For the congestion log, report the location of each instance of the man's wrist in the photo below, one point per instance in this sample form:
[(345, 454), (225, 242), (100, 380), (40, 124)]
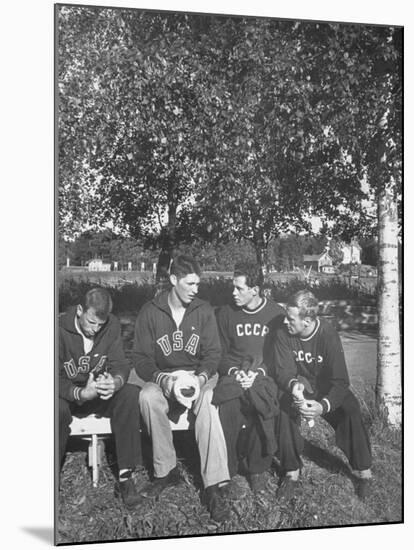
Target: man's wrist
[(82, 396), (161, 378), (203, 376), (118, 382), (77, 394), (325, 404)]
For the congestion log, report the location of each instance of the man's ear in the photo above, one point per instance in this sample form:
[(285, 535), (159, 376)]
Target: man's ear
[(256, 290), (79, 310), (173, 280)]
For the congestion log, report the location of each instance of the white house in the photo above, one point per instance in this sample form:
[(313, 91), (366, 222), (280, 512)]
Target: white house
[(320, 262), (97, 265), (351, 253)]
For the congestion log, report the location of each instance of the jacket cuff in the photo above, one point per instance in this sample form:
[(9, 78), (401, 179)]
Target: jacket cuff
[(326, 406), (203, 375), (159, 377), (291, 382), (77, 394), (232, 370), (121, 381), (262, 371)]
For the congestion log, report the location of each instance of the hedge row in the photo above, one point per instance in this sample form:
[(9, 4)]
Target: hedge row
[(131, 297)]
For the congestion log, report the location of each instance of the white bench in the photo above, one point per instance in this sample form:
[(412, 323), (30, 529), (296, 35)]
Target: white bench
[(94, 428)]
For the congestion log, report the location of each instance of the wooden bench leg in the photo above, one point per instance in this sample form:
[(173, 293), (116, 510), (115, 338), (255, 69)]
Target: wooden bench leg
[(94, 459)]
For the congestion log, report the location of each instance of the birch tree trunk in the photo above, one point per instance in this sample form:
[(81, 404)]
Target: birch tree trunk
[(388, 388)]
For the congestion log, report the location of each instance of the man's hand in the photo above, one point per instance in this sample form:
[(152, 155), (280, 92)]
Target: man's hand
[(310, 409), (105, 385), (249, 379), (246, 379), (297, 393), (89, 392), (167, 385)]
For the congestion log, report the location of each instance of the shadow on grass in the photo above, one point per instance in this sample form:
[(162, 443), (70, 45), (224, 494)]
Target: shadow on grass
[(324, 459), (187, 452)]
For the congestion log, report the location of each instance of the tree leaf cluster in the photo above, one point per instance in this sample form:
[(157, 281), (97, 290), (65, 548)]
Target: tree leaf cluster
[(183, 127)]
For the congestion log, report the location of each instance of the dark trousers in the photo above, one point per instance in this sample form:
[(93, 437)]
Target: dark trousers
[(350, 433), (247, 443), (123, 410)]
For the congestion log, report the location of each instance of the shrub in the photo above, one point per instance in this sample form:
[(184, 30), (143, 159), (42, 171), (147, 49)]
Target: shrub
[(130, 297), (127, 298)]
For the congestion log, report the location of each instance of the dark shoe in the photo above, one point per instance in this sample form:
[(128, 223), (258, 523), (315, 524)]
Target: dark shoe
[(258, 483), (128, 493), (232, 490), (287, 488), (154, 489), (216, 505), (363, 488)]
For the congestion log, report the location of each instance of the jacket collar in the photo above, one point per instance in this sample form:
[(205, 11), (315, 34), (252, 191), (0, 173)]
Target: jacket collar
[(67, 320), (161, 301)]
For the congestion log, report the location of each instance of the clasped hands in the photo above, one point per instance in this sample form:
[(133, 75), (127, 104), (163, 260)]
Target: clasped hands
[(307, 408), (103, 387), (245, 379)]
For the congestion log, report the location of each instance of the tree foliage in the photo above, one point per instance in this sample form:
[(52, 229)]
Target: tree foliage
[(177, 127)]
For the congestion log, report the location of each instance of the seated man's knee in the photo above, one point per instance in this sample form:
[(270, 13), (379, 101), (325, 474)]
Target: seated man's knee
[(151, 394), (205, 397), (350, 405), (130, 392)]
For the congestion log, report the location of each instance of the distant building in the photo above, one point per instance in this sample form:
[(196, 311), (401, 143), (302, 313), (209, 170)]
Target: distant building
[(97, 265), (351, 253), (321, 263)]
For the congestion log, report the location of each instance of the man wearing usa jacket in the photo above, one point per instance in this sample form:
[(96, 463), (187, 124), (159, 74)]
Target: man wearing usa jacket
[(311, 371), (93, 373), (176, 339)]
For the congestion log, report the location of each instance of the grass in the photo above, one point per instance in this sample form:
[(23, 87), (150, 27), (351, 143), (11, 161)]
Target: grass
[(326, 496)]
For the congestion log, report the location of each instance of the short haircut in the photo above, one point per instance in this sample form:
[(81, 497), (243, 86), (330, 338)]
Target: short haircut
[(252, 272), (306, 302), (100, 300), (184, 265)]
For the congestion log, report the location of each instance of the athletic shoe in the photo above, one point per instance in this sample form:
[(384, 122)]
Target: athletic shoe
[(287, 488), (363, 487), (154, 489), (128, 493), (216, 505), (258, 483)]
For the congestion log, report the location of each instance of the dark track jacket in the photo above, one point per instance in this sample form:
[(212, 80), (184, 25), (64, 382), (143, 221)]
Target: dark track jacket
[(319, 359), (160, 346), (75, 365)]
